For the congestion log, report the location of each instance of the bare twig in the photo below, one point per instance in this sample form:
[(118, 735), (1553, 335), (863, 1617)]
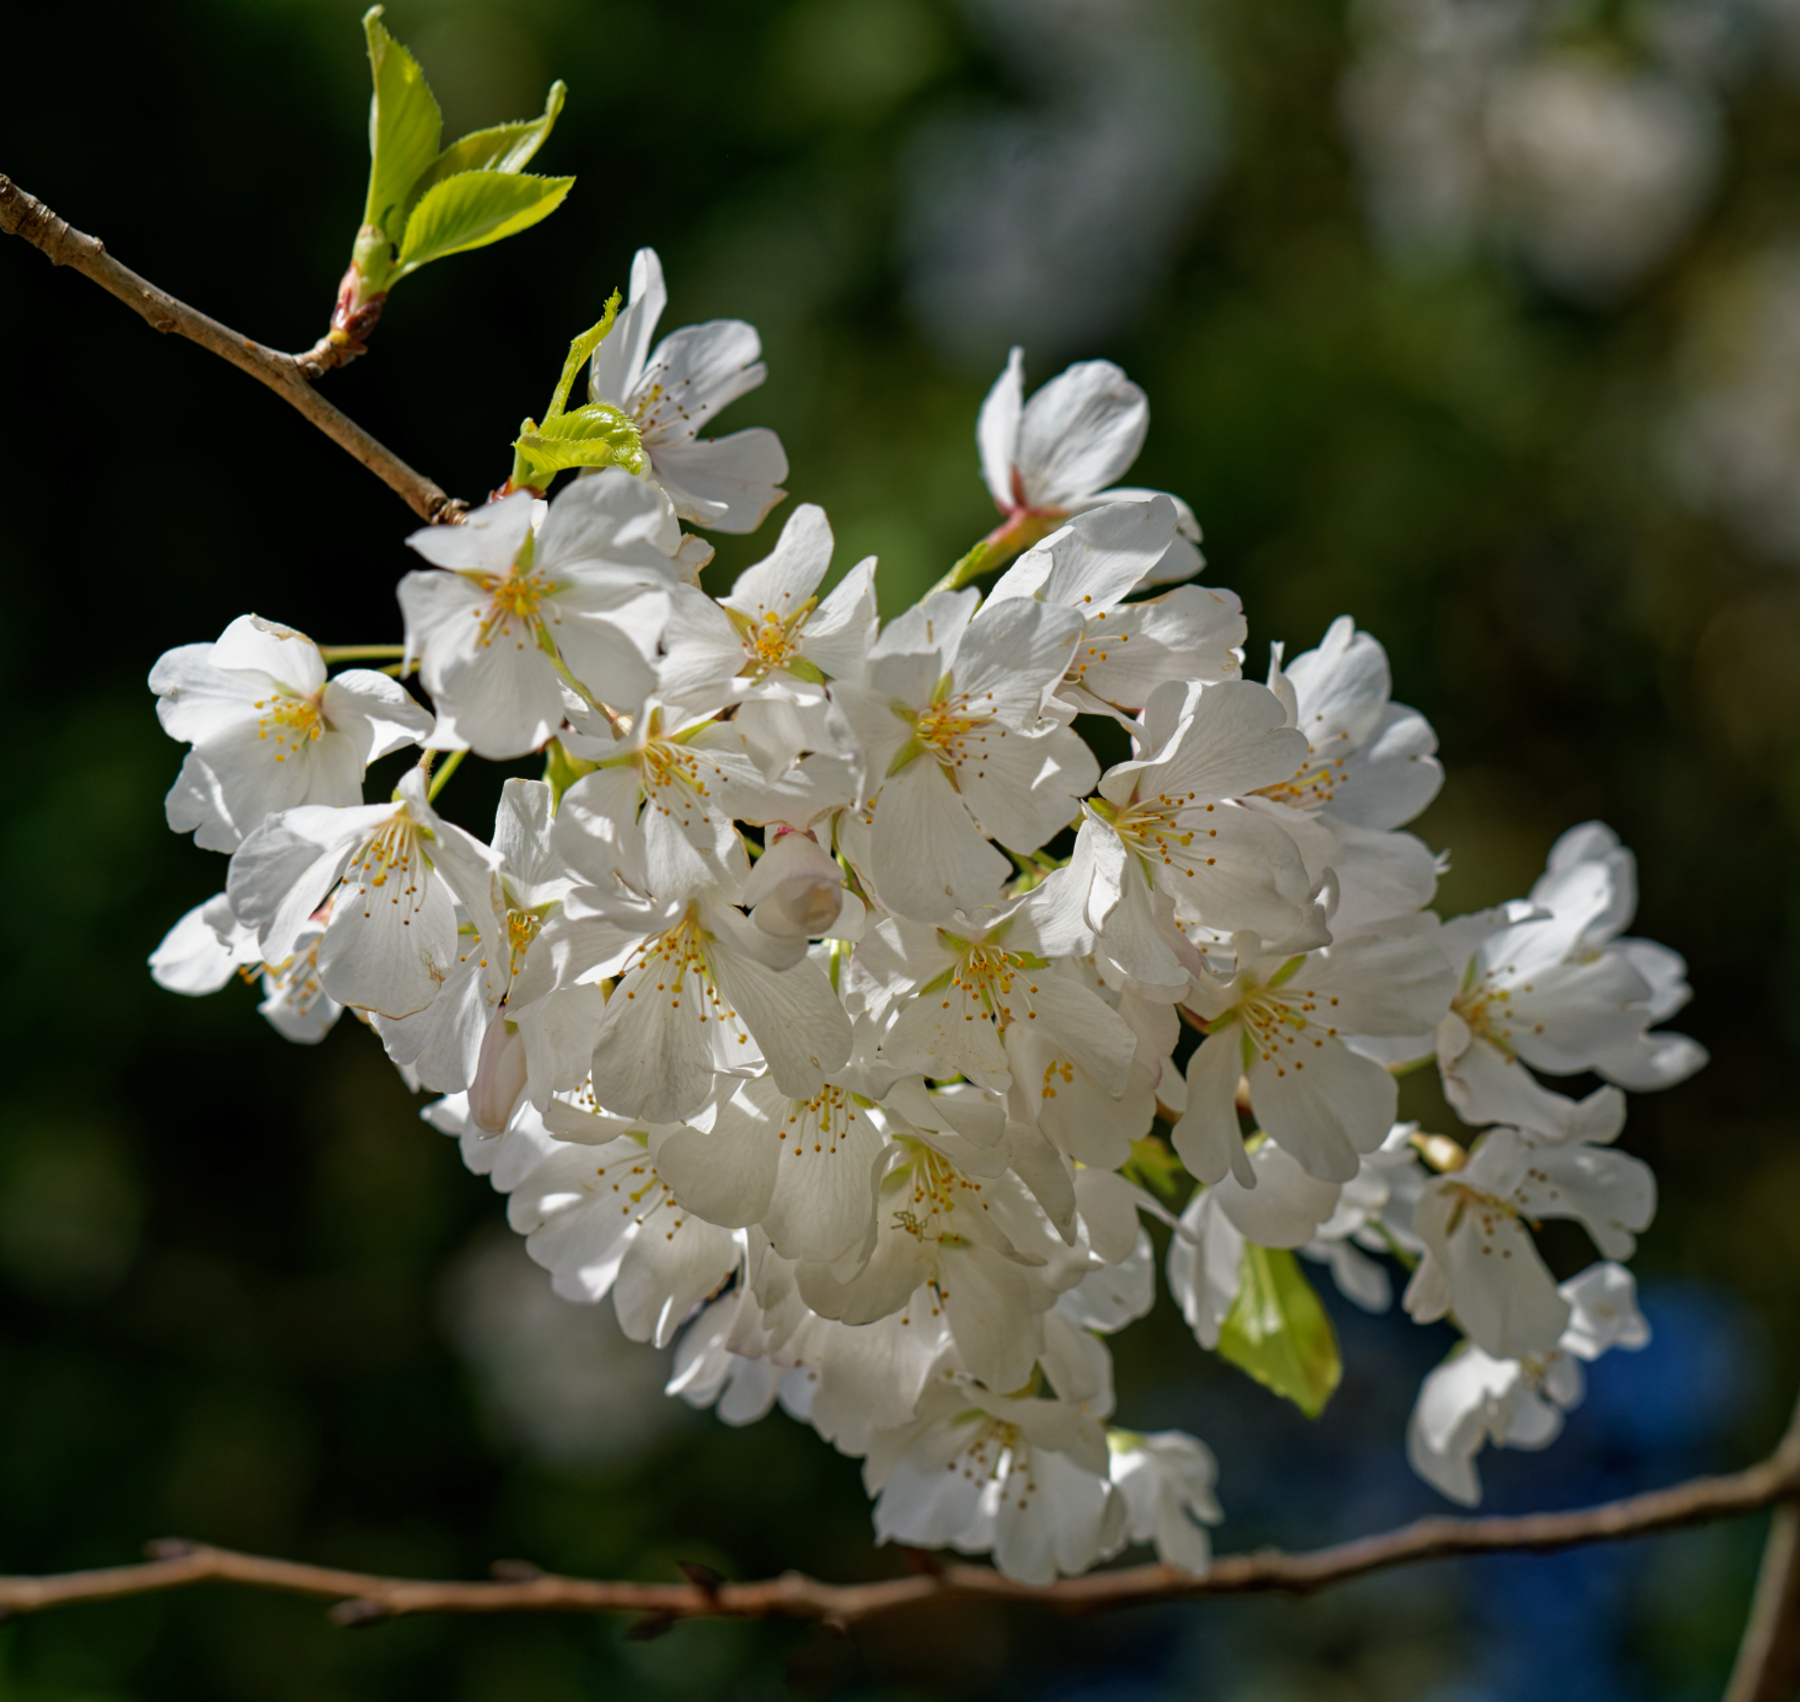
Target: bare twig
[(289, 377), (1768, 1660), (362, 1597)]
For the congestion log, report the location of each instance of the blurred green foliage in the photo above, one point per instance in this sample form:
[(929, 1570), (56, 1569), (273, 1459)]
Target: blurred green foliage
[(229, 1267)]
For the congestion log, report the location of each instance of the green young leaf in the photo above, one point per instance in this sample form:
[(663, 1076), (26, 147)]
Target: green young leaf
[(1279, 1332), (504, 147), (473, 210), (581, 350), (405, 127), (595, 436)]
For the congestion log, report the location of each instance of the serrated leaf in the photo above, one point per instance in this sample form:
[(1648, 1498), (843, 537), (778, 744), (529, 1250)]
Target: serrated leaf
[(474, 209), (503, 147), (594, 436), (405, 127), (1280, 1333), (580, 352)]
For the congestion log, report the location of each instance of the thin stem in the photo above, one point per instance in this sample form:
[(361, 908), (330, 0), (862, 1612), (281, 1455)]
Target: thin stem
[(1017, 532), (1768, 1659), (357, 652), (442, 778), (362, 1597), (290, 378)]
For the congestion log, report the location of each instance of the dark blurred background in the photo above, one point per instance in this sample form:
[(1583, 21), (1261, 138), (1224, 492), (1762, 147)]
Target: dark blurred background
[(1479, 319)]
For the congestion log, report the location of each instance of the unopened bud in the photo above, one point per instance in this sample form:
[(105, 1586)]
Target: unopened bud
[(499, 1076), (795, 891)]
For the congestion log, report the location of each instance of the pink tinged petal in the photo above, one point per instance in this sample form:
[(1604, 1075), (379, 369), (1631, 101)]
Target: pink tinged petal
[(619, 360), (929, 859), (1209, 1139), (997, 432), (1079, 433), (726, 483), (1324, 1104), (500, 1075)]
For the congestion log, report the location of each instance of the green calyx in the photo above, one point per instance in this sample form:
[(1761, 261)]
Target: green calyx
[(580, 439)]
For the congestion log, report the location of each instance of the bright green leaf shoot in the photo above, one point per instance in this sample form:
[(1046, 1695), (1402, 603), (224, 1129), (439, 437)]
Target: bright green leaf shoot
[(405, 127), (474, 209), (505, 147), (1280, 1333), (581, 351), (595, 436)]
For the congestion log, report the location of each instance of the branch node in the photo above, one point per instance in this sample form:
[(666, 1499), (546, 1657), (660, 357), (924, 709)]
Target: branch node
[(171, 1548), (516, 1571), (360, 1611), (702, 1577)]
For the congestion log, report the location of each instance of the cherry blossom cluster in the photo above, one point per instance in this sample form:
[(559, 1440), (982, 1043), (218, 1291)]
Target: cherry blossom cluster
[(849, 995)]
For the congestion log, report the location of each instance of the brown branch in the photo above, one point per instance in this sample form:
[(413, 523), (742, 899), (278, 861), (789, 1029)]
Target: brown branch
[(1768, 1660), (363, 1597), (290, 377)]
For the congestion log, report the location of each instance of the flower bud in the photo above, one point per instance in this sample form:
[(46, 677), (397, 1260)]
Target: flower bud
[(796, 890), (499, 1075)]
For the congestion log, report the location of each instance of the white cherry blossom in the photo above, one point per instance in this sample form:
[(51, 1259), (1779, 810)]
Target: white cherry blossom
[(671, 391), (523, 586), (397, 871), (1474, 1398), (1127, 650), (1059, 453), (269, 730), (951, 715), (1283, 1024)]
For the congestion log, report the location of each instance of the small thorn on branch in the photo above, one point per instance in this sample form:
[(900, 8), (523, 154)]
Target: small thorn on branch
[(516, 1571), (702, 1577)]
